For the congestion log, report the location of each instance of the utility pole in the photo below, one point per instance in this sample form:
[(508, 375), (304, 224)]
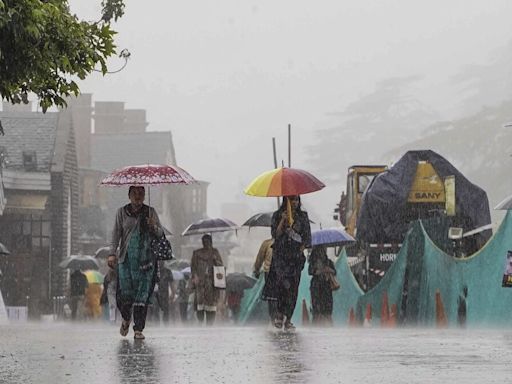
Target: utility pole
[(289, 145), (275, 163)]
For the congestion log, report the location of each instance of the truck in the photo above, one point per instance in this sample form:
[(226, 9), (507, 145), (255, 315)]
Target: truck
[(381, 202)]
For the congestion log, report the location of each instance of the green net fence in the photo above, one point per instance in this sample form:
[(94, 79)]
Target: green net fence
[(420, 272)]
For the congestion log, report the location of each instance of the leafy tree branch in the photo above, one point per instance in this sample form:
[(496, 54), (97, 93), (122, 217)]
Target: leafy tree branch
[(43, 47)]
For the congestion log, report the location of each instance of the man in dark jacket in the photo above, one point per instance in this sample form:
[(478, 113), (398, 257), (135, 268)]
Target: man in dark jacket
[(78, 282)]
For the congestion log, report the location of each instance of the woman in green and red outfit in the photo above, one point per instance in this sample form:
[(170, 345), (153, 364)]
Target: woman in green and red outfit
[(135, 226)]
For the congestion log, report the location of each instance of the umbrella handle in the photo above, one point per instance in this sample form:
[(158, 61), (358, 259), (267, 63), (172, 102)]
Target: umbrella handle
[(289, 212)]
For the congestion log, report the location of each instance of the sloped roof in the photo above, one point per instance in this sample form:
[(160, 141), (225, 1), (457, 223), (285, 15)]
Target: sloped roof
[(29, 131)]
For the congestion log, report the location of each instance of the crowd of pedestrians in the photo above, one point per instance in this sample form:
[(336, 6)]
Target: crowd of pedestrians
[(138, 287)]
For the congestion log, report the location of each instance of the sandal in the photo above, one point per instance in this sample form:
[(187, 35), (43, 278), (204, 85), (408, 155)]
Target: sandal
[(139, 335), (125, 327), (278, 323), (289, 326)]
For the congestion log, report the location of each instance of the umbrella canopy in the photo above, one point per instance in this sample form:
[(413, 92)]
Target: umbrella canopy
[(94, 277), (284, 182), (102, 253), (259, 220), (82, 262), (209, 226), (239, 281), (506, 204), (331, 237), (149, 174), (176, 265), (4, 250), (262, 220)]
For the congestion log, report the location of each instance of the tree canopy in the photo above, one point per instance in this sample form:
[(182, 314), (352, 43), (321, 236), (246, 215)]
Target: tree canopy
[(44, 47)]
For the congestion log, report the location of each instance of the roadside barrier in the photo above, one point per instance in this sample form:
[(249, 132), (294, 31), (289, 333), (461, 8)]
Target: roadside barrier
[(384, 311), (368, 316), (393, 316), (441, 320), (352, 318)]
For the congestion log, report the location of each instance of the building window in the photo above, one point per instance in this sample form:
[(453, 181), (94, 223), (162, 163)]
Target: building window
[(29, 160)]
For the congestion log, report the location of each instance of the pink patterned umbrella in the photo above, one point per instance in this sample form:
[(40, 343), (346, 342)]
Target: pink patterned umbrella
[(150, 174)]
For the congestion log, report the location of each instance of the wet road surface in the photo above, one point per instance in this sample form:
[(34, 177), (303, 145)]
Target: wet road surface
[(95, 353)]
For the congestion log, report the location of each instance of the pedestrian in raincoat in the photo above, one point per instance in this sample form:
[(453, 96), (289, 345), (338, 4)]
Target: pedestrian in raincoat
[(201, 268), (135, 226), (92, 301), (78, 283), (291, 233), (320, 267)]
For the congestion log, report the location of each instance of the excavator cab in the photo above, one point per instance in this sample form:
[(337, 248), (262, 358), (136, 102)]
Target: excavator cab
[(358, 179)]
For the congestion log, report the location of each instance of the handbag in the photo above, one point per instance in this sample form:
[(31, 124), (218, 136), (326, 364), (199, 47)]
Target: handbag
[(219, 277), (333, 282), (161, 248)]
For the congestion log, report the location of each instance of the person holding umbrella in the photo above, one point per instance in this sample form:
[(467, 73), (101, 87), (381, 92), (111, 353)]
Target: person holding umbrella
[(321, 269), (292, 234), (78, 285), (130, 254)]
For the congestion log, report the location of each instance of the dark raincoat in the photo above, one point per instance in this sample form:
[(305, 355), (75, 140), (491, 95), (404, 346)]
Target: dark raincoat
[(321, 292), (287, 262)]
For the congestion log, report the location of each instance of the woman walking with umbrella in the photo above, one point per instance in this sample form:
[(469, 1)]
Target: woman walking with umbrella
[(322, 271), (136, 269), (291, 233)]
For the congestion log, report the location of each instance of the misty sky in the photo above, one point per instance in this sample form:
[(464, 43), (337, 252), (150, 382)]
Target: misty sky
[(227, 76)]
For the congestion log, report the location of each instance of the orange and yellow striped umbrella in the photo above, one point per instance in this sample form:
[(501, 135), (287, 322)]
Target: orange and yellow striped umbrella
[(284, 182)]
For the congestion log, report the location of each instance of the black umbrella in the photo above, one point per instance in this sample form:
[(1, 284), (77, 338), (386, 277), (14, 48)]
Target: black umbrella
[(259, 220), (237, 282), (263, 219), (82, 262), (210, 226), (4, 250)]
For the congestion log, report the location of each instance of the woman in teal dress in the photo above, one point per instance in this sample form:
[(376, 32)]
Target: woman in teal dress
[(135, 226)]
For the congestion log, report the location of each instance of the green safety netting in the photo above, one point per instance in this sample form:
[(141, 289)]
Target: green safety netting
[(420, 270), (347, 296)]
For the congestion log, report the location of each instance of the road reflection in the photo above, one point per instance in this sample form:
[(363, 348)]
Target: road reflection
[(137, 362), (288, 355)]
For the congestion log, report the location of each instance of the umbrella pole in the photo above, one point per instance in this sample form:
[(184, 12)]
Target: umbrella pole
[(149, 199)]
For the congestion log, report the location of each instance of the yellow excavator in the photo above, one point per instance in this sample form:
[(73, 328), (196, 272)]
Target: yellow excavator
[(381, 202), (358, 179)]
